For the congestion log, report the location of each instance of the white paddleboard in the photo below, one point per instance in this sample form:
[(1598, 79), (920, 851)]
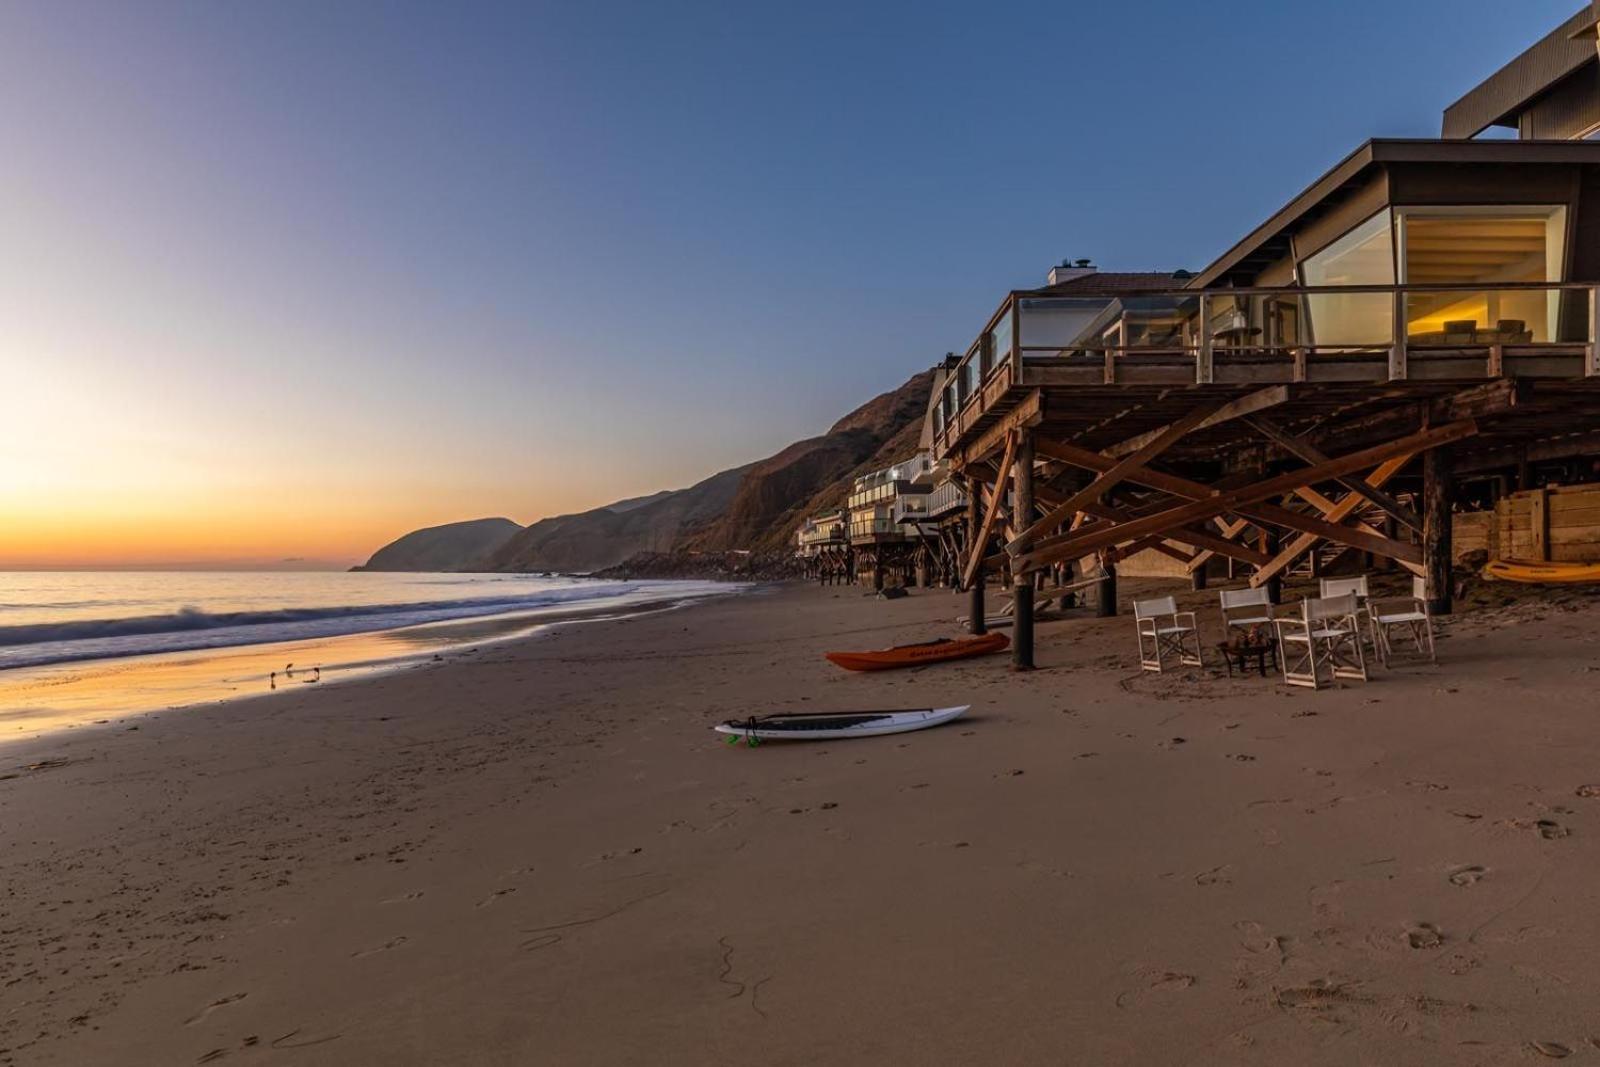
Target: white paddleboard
[(835, 724)]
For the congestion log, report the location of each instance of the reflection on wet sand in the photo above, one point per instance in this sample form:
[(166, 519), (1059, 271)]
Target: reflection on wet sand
[(34, 700)]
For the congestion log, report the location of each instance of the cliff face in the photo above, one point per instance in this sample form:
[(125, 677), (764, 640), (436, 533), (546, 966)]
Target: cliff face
[(750, 509), (604, 537), (777, 493), (456, 546)]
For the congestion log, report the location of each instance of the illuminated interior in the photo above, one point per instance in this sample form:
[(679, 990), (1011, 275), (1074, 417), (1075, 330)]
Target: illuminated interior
[(1488, 245), (1484, 245)]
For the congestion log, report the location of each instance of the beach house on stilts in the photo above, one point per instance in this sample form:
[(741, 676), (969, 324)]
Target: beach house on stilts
[(1422, 315)]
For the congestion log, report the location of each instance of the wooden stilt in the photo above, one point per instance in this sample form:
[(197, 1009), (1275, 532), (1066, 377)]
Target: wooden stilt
[(1438, 485), (1274, 584), (1107, 606), (974, 575), (1022, 586)]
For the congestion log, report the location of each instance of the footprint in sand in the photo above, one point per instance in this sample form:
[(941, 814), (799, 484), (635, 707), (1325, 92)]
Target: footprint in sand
[(496, 895), (1155, 982), (403, 898), (392, 943), (1552, 1049), (1222, 875), (534, 944), (294, 1039), (213, 1006), (1253, 938), (1423, 936), (1588, 792), (1465, 876), (1551, 830)]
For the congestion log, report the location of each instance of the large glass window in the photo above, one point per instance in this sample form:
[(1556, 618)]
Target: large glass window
[(1481, 246), (1364, 256)]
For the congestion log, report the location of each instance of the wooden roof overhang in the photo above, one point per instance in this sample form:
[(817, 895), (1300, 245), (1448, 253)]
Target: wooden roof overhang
[(1270, 241)]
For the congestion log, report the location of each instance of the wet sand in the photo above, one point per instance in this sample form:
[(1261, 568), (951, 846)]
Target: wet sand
[(35, 701), (539, 853)]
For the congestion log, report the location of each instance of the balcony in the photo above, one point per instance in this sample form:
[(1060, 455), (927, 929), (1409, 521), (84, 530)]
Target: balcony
[(947, 498), (1347, 334)]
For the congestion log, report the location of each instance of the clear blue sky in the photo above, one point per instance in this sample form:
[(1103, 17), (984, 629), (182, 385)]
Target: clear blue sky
[(396, 264)]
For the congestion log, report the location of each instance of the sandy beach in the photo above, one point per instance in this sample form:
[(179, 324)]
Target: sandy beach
[(539, 853)]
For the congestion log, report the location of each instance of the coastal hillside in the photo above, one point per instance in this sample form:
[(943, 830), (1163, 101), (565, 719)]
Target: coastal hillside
[(455, 546), (809, 476), (751, 509), (605, 537)]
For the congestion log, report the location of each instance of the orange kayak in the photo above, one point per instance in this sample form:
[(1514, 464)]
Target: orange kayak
[(945, 648)]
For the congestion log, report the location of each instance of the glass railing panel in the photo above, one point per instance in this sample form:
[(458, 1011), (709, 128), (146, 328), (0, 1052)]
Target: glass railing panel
[(1046, 323), (1349, 320), (1167, 321), (1000, 341)]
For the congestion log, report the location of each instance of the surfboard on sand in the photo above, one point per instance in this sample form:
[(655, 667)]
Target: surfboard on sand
[(828, 725), (945, 648)]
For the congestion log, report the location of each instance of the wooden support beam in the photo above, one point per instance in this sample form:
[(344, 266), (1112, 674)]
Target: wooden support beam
[(1324, 505), (1189, 535), (1311, 454), (1220, 503), (1319, 528), (1257, 513), (981, 540), (1244, 406), (1230, 530), (1029, 411), (1153, 543), (1335, 514), (1150, 449)]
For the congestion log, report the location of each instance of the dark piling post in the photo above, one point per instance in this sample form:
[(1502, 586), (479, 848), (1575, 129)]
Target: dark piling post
[(1022, 583), (1107, 607), (975, 610), (1269, 545), (1438, 490)]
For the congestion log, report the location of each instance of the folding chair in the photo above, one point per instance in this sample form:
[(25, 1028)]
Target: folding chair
[(1163, 631), (1404, 615), (1244, 609), (1326, 634), (1332, 587)]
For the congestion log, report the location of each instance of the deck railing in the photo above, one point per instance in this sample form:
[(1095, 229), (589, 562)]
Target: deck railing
[(1297, 325)]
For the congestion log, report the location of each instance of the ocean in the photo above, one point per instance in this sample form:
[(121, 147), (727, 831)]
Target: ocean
[(66, 616)]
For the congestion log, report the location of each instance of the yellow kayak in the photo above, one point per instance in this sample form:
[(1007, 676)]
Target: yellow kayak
[(1510, 570)]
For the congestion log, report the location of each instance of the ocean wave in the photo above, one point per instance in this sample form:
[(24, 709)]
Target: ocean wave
[(188, 619)]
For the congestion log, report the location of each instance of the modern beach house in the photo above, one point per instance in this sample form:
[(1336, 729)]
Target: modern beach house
[(1423, 314), (887, 512)]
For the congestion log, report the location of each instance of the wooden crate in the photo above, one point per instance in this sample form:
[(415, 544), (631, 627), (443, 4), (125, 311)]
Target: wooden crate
[(1558, 522)]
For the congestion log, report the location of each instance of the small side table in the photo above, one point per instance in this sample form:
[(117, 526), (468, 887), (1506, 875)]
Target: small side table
[(1241, 652)]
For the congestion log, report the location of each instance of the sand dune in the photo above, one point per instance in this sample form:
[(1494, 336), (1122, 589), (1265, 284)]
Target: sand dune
[(540, 854)]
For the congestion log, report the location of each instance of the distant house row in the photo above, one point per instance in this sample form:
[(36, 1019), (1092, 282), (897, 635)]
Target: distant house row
[(897, 525)]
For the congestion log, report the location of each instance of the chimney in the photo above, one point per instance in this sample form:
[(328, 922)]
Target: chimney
[(1070, 270)]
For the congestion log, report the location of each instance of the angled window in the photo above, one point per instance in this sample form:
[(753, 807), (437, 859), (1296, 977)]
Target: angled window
[(1482, 246), (1364, 256)]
